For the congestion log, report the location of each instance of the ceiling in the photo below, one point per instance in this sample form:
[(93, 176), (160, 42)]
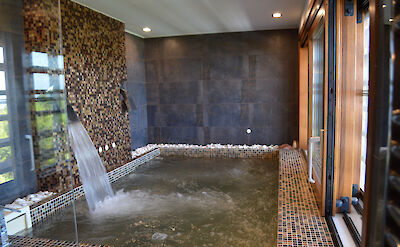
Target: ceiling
[(185, 17)]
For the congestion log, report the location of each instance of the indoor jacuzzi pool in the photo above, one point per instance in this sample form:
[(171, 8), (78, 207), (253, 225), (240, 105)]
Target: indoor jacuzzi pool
[(180, 201)]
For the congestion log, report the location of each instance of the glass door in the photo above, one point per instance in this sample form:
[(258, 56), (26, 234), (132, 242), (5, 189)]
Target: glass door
[(316, 112), (34, 146), (17, 167), (317, 99)]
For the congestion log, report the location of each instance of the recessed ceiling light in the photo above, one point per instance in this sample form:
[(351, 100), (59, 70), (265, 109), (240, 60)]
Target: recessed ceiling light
[(277, 15), (146, 29), (383, 5)]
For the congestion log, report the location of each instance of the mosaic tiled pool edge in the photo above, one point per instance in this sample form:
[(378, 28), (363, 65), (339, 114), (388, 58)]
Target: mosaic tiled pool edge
[(299, 221), (17, 241), (42, 211)]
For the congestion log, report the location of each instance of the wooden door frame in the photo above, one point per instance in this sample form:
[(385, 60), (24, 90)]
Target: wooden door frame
[(320, 17)]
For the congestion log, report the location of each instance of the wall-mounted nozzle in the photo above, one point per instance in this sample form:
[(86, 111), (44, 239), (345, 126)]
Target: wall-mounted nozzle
[(72, 117)]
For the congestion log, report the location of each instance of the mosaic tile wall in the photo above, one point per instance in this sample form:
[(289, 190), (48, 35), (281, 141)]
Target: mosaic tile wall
[(299, 220), (95, 67)]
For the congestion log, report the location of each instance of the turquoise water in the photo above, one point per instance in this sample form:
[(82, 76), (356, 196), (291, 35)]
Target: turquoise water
[(181, 202)]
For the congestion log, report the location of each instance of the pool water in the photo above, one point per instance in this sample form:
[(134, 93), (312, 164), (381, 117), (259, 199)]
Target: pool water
[(181, 202)]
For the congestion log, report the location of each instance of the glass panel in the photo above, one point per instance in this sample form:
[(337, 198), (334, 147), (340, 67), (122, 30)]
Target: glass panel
[(44, 81), (5, 153), (318, 82), (2, 80), (41, 81), (1, 54), (6, 177), (317, 121), (44, 123), (47, 163), (365, 102), (40, 59), (33, 109), (3, 105), (46, 144), (4, 131)]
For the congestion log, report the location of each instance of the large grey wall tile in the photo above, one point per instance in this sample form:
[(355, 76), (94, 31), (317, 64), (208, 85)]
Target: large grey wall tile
[(226, 67), (188, 135), (227, 135), (137, 94), (180, 70), (136, 87), (225, 44), (222, 91), (182, 47), (222, 114), (188, 92), (153, 71), (178, 115), (211, 88)]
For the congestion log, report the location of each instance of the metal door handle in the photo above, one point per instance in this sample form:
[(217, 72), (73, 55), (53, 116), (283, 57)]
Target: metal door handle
[(29, 138)]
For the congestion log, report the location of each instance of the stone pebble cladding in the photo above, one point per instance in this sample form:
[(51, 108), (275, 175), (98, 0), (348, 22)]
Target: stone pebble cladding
[(299, 220)]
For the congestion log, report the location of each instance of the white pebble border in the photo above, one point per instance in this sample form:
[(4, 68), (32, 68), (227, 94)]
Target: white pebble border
[(140, 151), (29, 200)]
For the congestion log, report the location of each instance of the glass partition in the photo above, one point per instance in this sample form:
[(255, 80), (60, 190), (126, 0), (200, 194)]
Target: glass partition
[(365, 101), (34, 150), (317, 99)]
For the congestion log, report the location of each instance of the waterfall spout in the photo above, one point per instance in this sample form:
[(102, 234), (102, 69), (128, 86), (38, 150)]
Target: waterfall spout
[(94, 178)]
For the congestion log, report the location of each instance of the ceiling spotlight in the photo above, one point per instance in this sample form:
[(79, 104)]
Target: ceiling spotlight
[(146, 29), (391, 19), (384, 5), (277, 15)]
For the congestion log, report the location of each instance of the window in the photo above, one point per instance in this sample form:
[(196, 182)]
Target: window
[(317, 120), (6, 168), (365, 101)]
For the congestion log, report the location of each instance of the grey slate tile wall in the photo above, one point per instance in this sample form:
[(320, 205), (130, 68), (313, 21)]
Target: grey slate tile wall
[(210, 88), (136, 87)]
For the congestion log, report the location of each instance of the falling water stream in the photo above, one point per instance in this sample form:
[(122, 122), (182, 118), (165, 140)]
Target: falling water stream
[(94, 178)]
